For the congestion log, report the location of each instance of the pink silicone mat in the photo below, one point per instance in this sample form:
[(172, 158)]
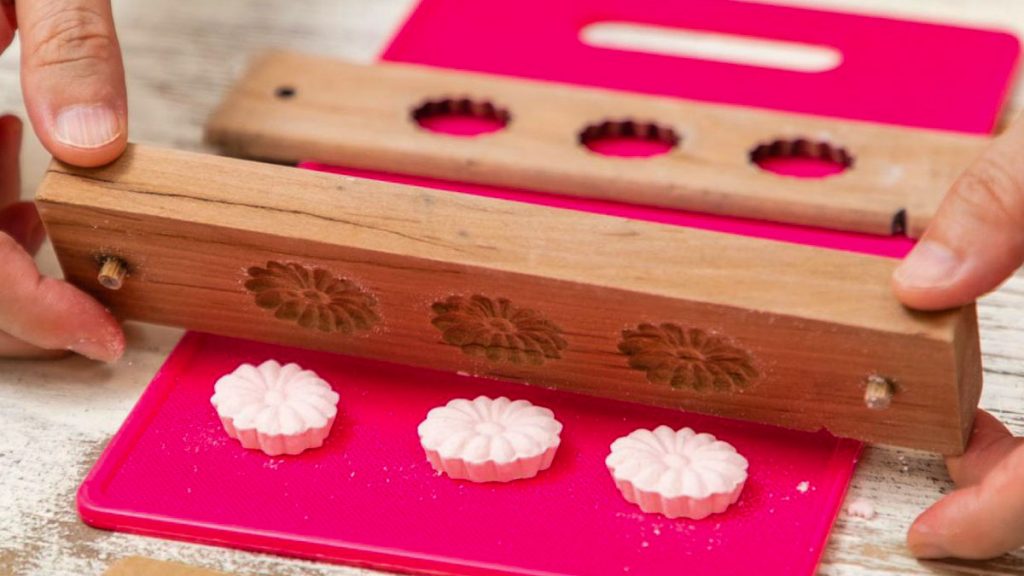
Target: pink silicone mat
[(369, 497)]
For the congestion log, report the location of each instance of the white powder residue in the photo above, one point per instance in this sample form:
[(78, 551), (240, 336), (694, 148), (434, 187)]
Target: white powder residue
[(803, 487), (861, 508)]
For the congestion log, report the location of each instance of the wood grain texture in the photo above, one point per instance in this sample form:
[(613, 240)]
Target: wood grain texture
[(663, 315), (139, 566), (181, 55), (363, 117)]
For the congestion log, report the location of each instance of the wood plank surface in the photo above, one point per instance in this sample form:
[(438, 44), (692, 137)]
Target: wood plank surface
[(182, 56), (362, 117)]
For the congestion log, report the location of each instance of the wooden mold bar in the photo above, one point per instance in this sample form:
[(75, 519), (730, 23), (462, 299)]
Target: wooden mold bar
[(291, 107), (637, 311)]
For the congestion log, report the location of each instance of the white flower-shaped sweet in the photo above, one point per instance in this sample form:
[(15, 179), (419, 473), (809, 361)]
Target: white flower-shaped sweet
[(490, 440), (278, 409), (677, 473)]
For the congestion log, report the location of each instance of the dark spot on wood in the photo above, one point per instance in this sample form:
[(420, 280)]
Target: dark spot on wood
[(899, 222)]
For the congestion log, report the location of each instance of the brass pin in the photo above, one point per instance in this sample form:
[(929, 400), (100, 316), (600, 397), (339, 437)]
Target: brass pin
[(112, 273), (878, 392)]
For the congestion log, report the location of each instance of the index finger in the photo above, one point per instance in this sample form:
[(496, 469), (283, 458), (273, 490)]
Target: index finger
[(52, 314)]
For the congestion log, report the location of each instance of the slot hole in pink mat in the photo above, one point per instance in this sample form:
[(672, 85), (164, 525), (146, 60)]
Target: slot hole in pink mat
[(629, 138), (711, 46), (461, 116), (801, 158)]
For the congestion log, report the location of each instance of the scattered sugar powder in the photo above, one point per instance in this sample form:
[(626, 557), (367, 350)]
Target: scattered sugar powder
[(861, 508)]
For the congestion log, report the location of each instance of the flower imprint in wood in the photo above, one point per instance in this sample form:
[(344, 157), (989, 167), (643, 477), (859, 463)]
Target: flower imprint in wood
[(687, 358), (312, 298), (498, 330)]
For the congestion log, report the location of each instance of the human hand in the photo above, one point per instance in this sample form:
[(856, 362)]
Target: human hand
[(73, 83), (984, 516), (975, 242), (976, 239)]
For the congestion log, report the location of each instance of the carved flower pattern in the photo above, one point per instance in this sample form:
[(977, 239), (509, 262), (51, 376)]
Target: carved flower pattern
[(498, 330), (687, 358), (312, 298)]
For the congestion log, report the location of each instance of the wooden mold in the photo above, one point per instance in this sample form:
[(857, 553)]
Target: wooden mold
[(765, 331), (291, 107)]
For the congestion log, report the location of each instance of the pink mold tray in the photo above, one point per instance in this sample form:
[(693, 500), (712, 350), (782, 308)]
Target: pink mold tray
[(369, 496)]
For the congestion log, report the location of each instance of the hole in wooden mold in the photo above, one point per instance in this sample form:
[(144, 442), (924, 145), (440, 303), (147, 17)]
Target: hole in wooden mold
[(629, 138), (801, 158), (899, 222), (461, 116), (285, 92)]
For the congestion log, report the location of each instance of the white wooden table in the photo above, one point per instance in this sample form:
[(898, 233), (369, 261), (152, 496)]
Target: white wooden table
[(55, 417)]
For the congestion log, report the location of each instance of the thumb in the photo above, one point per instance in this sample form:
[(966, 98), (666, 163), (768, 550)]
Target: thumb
[(976, 239), (73, 79)]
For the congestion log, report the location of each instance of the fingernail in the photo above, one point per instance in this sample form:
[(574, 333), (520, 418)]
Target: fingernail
[(87, 126), (930, 264)]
